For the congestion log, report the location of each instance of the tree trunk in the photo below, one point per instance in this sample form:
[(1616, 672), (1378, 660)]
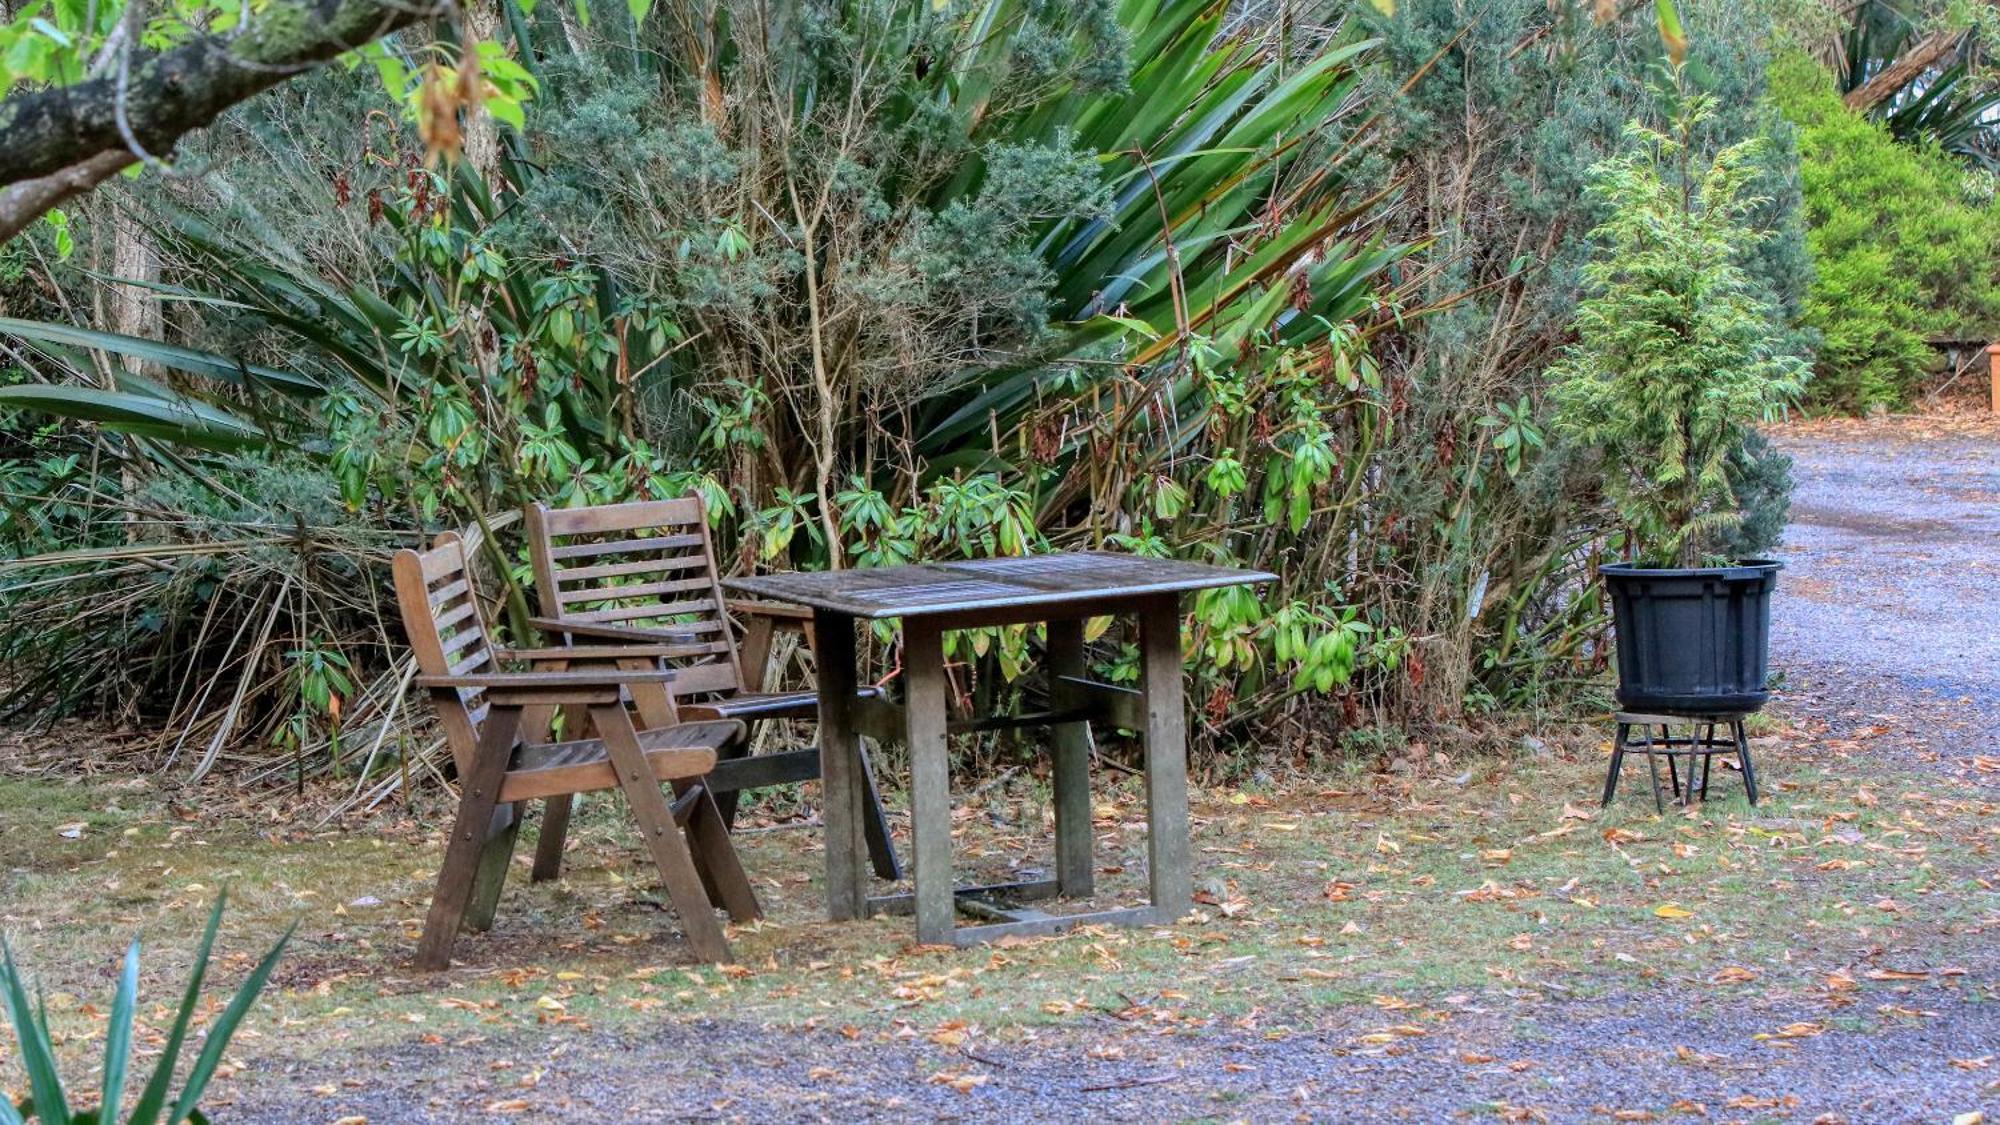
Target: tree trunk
[(135, 310), (482, 133)]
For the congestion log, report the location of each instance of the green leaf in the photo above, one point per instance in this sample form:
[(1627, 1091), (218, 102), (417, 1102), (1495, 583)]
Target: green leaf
[(118, 1035), (1671, 31), (225, 1026), (32, 1034), (171, 356), (178, 419), (154, 1098), (507, 111)]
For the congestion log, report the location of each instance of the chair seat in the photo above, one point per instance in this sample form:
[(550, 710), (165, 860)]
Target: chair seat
[(546, 769)]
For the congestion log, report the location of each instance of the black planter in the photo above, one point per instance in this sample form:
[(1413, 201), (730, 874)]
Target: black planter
[(1692, 640)]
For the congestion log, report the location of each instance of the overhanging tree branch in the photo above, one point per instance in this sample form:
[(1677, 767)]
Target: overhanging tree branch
[(1904, 69), (58, 141)]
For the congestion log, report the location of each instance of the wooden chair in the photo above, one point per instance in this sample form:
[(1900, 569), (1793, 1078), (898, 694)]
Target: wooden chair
[(645, 572), (496, 723)]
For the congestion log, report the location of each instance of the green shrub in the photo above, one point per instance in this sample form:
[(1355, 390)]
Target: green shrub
[(1904, 247)]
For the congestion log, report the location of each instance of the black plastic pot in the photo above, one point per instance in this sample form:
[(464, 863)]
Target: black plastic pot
[(1692, 640)]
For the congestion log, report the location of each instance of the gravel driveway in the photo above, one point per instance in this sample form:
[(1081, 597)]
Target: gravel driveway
[(1890, 600)]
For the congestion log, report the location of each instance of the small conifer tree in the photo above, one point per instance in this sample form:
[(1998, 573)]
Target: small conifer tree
[(1677, 354)]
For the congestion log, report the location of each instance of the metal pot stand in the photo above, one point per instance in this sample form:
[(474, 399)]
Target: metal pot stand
[(1699, 746)]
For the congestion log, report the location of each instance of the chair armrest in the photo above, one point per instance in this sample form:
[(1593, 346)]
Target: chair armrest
[(626, 633), (783, 611), (554, 681), (585, 652)]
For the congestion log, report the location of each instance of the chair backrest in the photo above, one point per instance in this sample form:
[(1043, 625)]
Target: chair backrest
[(447, 631), (647, 564)]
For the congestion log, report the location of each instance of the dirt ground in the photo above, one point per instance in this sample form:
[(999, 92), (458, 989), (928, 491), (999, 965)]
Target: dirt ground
[(1476, 940)]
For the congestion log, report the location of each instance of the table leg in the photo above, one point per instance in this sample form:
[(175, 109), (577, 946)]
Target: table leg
[(1074, 869), (840, 770), (930, 777), (1167, 847), (754, 652)]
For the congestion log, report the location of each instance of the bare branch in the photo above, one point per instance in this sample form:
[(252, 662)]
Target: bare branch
[(1920, 57), (23, 202)]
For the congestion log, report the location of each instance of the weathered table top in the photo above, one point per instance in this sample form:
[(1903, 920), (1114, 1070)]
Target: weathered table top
[(1030, 580)]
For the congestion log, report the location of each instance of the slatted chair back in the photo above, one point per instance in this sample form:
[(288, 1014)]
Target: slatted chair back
[(644, 565), (447, 631)]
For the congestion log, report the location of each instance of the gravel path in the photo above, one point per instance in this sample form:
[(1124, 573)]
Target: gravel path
[(1660, 1057), (1889, 605)]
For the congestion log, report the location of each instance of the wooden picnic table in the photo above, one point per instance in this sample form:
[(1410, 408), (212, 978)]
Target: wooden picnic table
[(1061, 590)]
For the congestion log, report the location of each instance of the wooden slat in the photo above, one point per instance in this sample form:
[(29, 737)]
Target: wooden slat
[(1168, 853), (664, 542), (637, 590), (450, 590), (1056, 923), (625, 546), (597, 519), (703, 606), (1070, 776), (1033, 891), (843, 797), (930, 778), (590, 776), (445, 620), (477, 660), (1121, 706), (763, 770), (448, 557), (703, 678), (620, 570), (458, 642)]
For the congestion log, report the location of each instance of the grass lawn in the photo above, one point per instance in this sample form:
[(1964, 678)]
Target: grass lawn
[(1857, 894)]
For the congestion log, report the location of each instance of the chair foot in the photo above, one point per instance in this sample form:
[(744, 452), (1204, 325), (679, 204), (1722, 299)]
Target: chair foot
[(555, 832)]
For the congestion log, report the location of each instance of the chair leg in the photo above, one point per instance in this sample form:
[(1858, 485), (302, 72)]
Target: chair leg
[(555, 832), (491, 878), (875, 826), (470, 831), (663, 837), (682, 787), (722, 871), (1617, 763)]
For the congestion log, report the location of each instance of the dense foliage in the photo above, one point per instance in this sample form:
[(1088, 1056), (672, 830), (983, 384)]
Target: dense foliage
[(1508, 109), (882, 280), (1904, 240)]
